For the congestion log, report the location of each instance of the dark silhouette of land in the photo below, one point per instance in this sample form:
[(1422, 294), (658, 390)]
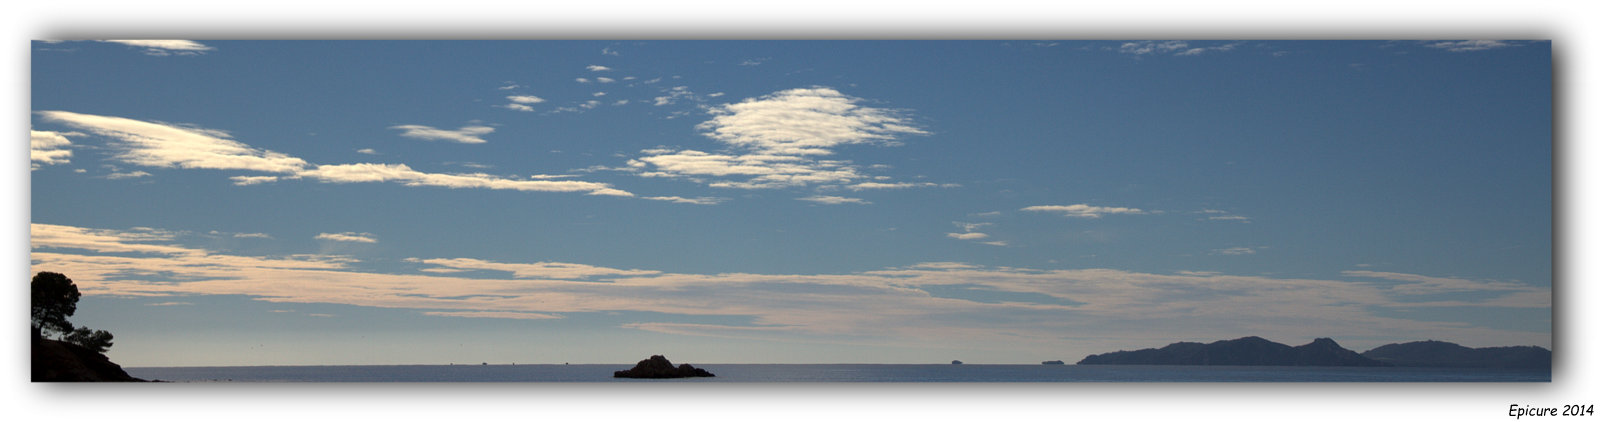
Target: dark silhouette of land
[(1247, 351), (1442, 354), (60, 361), (658, 366), (78, 355), (1256, 351)]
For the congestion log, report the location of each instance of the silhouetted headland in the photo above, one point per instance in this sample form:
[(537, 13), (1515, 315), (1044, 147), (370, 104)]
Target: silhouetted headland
[(1442, 354), (1053, 362), (659, 367), (59, 361), (1247, 351)]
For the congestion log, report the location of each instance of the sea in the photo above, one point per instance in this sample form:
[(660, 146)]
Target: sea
[(831, 373)]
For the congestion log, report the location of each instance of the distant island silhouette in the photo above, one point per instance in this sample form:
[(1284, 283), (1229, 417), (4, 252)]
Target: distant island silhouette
[(658, 366), (1443, 354), (1257, 351)]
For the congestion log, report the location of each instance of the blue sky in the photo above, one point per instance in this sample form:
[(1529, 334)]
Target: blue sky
[(262, 202)]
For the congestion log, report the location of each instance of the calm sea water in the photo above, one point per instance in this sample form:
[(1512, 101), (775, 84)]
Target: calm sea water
[(836, 373)]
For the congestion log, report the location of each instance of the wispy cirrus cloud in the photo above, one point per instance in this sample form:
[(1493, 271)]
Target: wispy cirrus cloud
[(465, 134), (1238, 250), (49, 148), (537, 270), (166, 47), (348, 237), (165, 145), (833, 200), (1468, 45), (1176, 48), (1084, 210), (1220, 215), (405, 175), (702, 200), (1420, 284)]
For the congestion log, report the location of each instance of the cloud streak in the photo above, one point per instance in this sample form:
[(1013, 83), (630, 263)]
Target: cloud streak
[(166, 47), (890, 304), (464, 135), (1084, 210), (163, 145), (48, 148), (348, 237)]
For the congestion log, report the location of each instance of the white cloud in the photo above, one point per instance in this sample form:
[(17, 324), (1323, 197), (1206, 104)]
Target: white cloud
[(524, 99), (604, 80), (1152, 47), (518, 107), (896, 185), (967, 235), (805, 121), (582, 80), (252, 180), (348, 237), (165, 47), (1468, 45), (252, 235), (1234, 251), (49, 148), (367, 151), (465, 135), (162, 145), (537, 270), (609, 52), (967, 227), (777, 141), (833, 200), (127, 175), (598, 68), (1176, 48), (704, 200), (401, 173), (1220, 215), (598, 94), (673, 95), (1084, 210)]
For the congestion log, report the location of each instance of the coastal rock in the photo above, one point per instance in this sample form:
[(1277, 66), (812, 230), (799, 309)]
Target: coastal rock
[(1442, 354), (659, 367), (1247, 351), (59, 361), (1053, 362)]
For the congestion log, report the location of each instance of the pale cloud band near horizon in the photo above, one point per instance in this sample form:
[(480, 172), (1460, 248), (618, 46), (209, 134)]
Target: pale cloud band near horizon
[(890, 303)]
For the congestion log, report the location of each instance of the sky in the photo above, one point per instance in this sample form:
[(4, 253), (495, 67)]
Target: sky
[(410, 202)]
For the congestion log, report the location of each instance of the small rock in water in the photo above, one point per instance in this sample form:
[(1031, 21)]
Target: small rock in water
[(659, 367)]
